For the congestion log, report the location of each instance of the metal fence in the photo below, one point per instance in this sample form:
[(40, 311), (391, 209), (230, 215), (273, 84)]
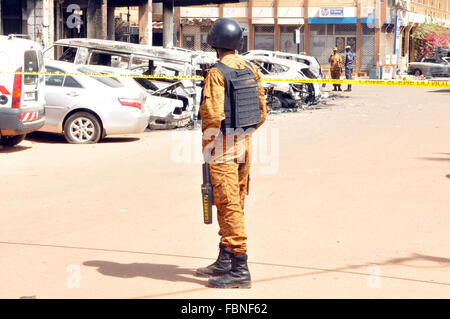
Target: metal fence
[(264, 37), (367, 47), (287, 39), (322, 39), (194, 37)]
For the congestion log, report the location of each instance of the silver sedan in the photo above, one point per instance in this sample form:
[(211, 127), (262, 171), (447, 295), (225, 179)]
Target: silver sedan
[(86, 108)]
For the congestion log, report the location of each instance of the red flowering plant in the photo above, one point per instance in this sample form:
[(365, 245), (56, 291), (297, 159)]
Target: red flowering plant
[(428, 37)]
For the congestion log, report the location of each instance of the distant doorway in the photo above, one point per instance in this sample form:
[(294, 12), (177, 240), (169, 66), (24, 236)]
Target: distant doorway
[(11, 17)]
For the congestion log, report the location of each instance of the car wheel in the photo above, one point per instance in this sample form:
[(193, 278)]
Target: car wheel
[(82, 128), (417, 72), (11, 140)]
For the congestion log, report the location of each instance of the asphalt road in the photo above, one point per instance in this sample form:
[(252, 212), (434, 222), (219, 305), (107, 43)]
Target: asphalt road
[(351, 200)]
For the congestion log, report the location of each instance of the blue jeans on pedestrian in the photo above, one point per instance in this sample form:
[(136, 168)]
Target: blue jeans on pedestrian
[(348, 73)]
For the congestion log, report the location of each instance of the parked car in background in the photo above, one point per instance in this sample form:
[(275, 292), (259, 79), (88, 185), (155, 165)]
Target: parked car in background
[(435, 66), (142, 59), (21, 96), (169, 106), (310, 61), (85, 109)]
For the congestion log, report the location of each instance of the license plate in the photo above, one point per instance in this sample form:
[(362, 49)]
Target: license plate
[(29, 96)]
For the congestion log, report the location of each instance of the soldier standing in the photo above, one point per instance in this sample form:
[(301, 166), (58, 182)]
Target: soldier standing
[(335, 61), (229, 114)]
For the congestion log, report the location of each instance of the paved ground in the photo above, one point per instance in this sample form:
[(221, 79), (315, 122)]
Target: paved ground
[(351, 201)]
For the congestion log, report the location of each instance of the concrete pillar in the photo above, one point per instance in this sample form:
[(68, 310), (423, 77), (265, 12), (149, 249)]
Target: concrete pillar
[(179, 31), (407, 40), (276, 5), (111, 23), (48, 22), (378, 60), (145, 23), (358, 38), (32, 18), (97, 19), (167, 24), (25, 29), (58, 28), (305, 18), (1, 21), (250, 25), (412, 54)]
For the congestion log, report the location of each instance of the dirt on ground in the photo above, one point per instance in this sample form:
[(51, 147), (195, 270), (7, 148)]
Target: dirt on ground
[(350, 200)]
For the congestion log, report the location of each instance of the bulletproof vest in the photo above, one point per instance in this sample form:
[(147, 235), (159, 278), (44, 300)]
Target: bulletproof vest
[(242, 109)]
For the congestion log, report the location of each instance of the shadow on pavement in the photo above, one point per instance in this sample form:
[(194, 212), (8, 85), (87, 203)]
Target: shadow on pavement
[(154, 271), (13, 149), (440, 91), (437, 158), (54, 138), (174, 273), (44, 137), (119, 140)]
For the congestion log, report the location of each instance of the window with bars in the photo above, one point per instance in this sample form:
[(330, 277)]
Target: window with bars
[(264, 38), (287, 39)]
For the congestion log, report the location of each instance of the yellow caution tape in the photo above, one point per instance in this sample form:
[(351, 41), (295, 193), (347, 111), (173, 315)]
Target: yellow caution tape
[(427, 83), (444, 84)]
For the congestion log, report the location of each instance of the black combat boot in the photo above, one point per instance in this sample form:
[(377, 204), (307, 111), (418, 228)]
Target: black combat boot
[(334, 87), (221, 266), (237, 277), (339, 88), (349, 88)]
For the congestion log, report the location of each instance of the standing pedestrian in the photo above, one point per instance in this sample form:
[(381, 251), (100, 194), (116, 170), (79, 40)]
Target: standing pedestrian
[(349, 61), (335, 61), (229, 114)]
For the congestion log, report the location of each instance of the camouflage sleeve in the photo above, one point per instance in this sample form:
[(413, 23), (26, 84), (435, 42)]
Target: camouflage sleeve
[(212, 109), (262, 96)]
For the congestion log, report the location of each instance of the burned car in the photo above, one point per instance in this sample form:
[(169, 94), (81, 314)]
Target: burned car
[(310, 61), (140, 59), (169, 106), (435, 66), (288, 94)]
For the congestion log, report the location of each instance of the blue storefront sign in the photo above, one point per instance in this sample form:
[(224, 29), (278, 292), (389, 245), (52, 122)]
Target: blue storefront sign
[(331, 16), (331, 12)]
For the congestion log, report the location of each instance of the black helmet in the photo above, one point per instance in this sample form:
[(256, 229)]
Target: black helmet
[(225, 33)]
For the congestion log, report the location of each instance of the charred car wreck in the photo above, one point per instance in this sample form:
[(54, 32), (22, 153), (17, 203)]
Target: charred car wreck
[(175, 103), (287, 94)]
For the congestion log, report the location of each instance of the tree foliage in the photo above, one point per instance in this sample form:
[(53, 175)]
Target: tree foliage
[(428, 37)]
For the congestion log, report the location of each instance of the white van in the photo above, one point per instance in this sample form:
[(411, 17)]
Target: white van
[(22, 97)]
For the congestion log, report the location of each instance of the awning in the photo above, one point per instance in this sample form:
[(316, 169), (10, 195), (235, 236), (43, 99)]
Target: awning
[(351, 20)]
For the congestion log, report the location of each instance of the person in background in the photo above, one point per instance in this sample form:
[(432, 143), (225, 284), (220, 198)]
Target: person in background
[(349, 61), (335, 61)]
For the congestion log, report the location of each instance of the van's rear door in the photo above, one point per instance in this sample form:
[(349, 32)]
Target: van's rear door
[(33, 98)]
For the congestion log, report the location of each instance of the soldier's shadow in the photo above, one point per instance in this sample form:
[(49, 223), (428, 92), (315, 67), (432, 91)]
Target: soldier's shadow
[(154, 271)]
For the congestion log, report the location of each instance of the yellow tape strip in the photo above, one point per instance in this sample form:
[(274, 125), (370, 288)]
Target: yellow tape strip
[(436, 84)]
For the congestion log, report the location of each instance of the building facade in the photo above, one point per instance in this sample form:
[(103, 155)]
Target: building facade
[(375, 29)]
